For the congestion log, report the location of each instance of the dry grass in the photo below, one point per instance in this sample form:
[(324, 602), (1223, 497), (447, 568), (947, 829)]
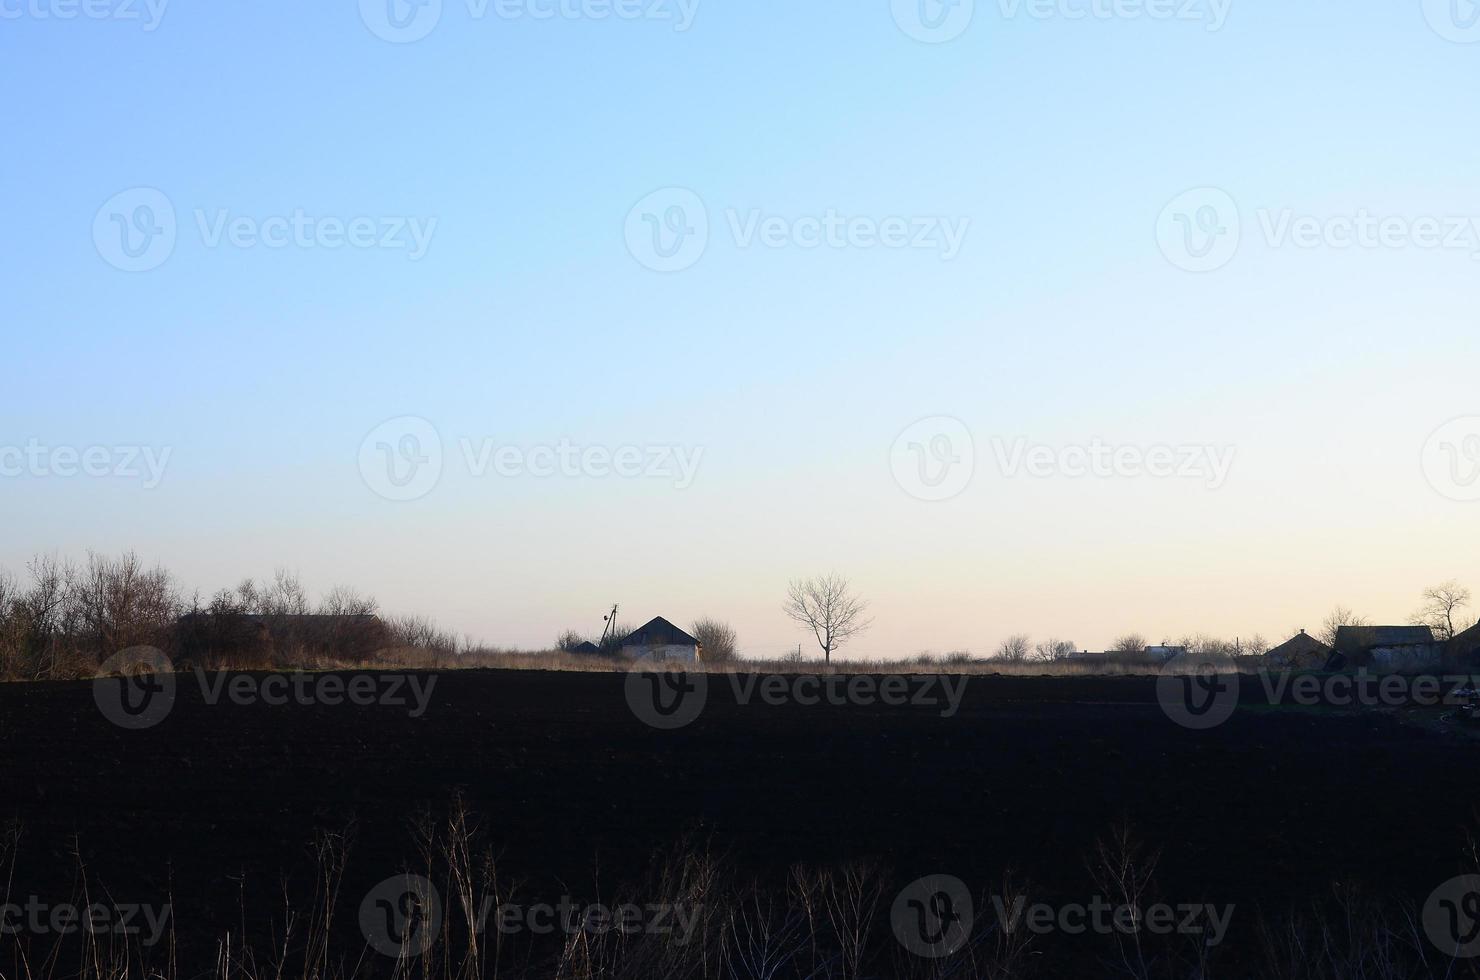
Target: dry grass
[(815, 923), (421, 659)]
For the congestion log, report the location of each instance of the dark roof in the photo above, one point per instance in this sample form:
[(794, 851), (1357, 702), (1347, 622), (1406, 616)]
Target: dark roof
[(1358, 639), (1300, 643), (586, 646), (1467, 642), (659, 633)]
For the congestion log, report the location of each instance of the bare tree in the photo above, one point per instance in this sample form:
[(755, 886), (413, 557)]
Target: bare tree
[(1441, 605), (1014, 649), (419, 632), (118, 603), (1050, 650), (1337, 618), (1129, 643), (344, 600), (286, 596), (717, 640), (827, 606)]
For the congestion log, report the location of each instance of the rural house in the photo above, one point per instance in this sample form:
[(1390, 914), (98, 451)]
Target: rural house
[(1300, 652), (1464, 649), (1384, 648), (661, 640)]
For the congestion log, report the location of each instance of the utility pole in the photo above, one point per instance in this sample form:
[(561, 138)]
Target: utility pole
[(610, 629)]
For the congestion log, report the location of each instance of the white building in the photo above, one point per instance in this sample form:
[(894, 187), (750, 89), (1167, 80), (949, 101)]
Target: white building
[(661, 640)]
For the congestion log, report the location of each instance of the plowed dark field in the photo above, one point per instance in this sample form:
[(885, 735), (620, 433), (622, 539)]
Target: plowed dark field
[(217, 805)]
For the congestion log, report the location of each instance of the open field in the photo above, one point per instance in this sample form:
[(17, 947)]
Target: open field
[(215, 809)]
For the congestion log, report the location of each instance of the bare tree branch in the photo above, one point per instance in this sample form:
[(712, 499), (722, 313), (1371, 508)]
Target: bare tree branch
[(827, 606)]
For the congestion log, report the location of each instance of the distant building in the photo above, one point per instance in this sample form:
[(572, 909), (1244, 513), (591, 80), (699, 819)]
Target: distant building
[(1165, 652), (661, 640), (1300, 652), (586, 649), (1384, 648), (1464, 649)]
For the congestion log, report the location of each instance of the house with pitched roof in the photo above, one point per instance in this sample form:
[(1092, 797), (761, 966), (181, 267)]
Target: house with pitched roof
[(1385, 648), (658, 639), (1300, 652)]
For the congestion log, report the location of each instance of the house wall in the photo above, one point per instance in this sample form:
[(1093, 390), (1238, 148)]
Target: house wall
[(1416, 656), (672, 652)]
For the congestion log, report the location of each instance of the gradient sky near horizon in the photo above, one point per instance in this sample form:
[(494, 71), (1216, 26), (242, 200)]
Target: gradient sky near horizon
[(1342, 379)]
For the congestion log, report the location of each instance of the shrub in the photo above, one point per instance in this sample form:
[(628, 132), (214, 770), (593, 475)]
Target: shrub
[(717, 641)]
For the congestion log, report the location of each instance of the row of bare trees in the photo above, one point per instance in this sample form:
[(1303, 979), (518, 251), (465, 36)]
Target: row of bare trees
[(62, 618)]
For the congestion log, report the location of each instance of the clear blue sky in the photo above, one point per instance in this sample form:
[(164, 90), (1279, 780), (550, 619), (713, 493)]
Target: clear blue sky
[(528, 320)]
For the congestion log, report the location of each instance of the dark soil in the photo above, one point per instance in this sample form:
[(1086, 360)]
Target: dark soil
[(218, 804)]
